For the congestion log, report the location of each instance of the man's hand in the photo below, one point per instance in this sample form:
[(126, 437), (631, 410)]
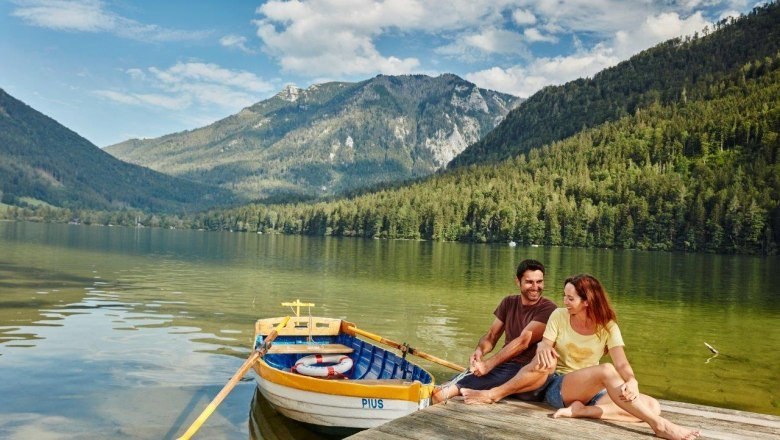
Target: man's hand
[(546, 357), (481, 368), (475, 357)]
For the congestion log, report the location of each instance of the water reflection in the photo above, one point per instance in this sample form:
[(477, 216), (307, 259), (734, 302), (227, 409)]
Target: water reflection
[(265, 423)]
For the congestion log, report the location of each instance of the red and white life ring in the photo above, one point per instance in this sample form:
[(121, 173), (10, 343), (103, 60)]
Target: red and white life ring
[(329, 365)]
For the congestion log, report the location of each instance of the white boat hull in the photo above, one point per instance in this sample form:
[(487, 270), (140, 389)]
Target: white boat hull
[(333, 410)]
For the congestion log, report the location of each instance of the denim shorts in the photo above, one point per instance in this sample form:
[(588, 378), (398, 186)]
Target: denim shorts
[(553, 397)]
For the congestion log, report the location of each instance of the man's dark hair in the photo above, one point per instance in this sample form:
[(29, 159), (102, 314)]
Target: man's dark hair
[(528, 265)]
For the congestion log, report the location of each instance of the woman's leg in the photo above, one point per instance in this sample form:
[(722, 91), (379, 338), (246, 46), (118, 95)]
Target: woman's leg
[(529, 378), (581, 385), (606, 409)]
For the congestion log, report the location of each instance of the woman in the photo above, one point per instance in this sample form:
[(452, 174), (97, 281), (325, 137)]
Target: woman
[(575, 339)]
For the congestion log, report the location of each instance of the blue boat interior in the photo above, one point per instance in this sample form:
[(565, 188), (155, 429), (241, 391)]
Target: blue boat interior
[(370, 361)]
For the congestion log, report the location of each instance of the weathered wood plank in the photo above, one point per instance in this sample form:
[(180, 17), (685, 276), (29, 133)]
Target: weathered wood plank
[(513, 419)]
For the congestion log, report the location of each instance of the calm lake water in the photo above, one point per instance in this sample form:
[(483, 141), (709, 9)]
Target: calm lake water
[(129, 333)]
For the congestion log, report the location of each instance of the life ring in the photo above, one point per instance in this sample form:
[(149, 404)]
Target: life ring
[(335, 365)]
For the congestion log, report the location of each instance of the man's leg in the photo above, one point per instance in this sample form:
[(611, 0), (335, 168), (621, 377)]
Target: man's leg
[(495, 377), (529, 378)]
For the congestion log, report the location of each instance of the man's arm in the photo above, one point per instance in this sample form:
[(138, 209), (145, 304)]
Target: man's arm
[(487, 342), (531, 334)]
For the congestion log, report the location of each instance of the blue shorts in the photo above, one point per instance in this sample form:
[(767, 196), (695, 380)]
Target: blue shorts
[(499, 376), (553, 397)]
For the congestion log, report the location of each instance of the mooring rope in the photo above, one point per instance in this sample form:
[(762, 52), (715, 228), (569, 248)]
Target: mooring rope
[(446, 386)]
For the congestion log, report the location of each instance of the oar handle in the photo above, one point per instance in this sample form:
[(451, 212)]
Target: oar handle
[(257, 354), (373, 337), (414, 351)]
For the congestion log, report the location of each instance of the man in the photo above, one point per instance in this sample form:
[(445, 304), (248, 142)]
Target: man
[(522, 319)]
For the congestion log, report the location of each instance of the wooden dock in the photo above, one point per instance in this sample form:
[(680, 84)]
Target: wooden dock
[(514, 419)]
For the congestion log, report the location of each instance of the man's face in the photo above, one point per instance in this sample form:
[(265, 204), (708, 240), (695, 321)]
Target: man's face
[(531, 285)]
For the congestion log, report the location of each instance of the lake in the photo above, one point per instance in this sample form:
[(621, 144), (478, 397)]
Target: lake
[(129, 333)]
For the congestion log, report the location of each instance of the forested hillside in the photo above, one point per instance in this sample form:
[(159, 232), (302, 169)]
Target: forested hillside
[(42, 161), (699, 173), (330, 138), (662, 74)]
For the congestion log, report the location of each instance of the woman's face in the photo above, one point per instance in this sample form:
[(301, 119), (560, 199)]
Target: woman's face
[(572, 301)]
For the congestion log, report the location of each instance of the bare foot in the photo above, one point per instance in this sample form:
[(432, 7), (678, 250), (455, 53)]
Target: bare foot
[(475, 397), (569, 411), (669, 430)]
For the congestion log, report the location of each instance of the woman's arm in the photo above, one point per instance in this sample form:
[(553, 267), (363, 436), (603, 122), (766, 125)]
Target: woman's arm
[(630, 388)]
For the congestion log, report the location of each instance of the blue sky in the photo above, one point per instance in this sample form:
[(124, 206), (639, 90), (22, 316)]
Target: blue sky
[(114, 70)]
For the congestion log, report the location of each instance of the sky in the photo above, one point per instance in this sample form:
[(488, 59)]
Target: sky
[(112, 70)]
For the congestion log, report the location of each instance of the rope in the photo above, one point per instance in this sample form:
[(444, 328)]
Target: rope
[(311, 319), (445, 387)]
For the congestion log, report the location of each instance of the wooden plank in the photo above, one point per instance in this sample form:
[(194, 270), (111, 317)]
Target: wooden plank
[(310, 349), (513, 419), (511, 423), (721, 413)]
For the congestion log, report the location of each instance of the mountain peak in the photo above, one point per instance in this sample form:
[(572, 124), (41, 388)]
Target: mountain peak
[(336, 135), (290, 92)]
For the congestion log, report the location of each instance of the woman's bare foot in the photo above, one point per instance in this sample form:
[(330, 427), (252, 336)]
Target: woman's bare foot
[(669, 430), (472, 397), (570, 411)]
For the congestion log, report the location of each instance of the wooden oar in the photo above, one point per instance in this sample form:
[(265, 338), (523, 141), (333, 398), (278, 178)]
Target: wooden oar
[(405, 348), (257, 354)]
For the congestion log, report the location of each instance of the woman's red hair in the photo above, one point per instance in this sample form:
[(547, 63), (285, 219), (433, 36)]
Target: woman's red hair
[(589, 289)]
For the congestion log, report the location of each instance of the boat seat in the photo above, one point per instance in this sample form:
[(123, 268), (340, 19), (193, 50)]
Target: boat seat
[(310, 349)]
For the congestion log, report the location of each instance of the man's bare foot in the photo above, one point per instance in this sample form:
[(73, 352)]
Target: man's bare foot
[(570, 411), (476, 397), (669, 430)]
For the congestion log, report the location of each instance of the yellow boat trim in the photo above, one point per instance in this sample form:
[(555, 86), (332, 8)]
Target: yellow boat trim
[(413, 392)]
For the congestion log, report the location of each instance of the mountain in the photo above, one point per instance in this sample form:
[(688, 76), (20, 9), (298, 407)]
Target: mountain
[(699, 173), (42, 160), (330, 138), (660, 74)]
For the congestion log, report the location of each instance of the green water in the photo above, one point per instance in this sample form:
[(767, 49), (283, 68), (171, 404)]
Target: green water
[(129, 333)]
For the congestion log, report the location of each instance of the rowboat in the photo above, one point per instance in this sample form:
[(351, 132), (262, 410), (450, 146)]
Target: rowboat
[(317, 371)]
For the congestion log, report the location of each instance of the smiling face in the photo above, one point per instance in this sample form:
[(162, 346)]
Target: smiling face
[(572, 301), (531, 286)]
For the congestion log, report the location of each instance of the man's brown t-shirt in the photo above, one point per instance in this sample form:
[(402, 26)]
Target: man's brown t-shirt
[(516, 317)]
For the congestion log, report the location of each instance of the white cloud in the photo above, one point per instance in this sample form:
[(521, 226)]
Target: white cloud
[(654, 30), (294, 32), (533, 35), (92, 16), (602, 17), (523, 17), (524, 80), (136, 73), (192, 85), (497, 41), (478, 45), (86, 16), (337, 38), (235, 41)]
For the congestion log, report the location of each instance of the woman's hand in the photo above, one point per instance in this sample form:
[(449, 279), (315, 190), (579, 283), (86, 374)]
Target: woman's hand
[(629, 391)]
